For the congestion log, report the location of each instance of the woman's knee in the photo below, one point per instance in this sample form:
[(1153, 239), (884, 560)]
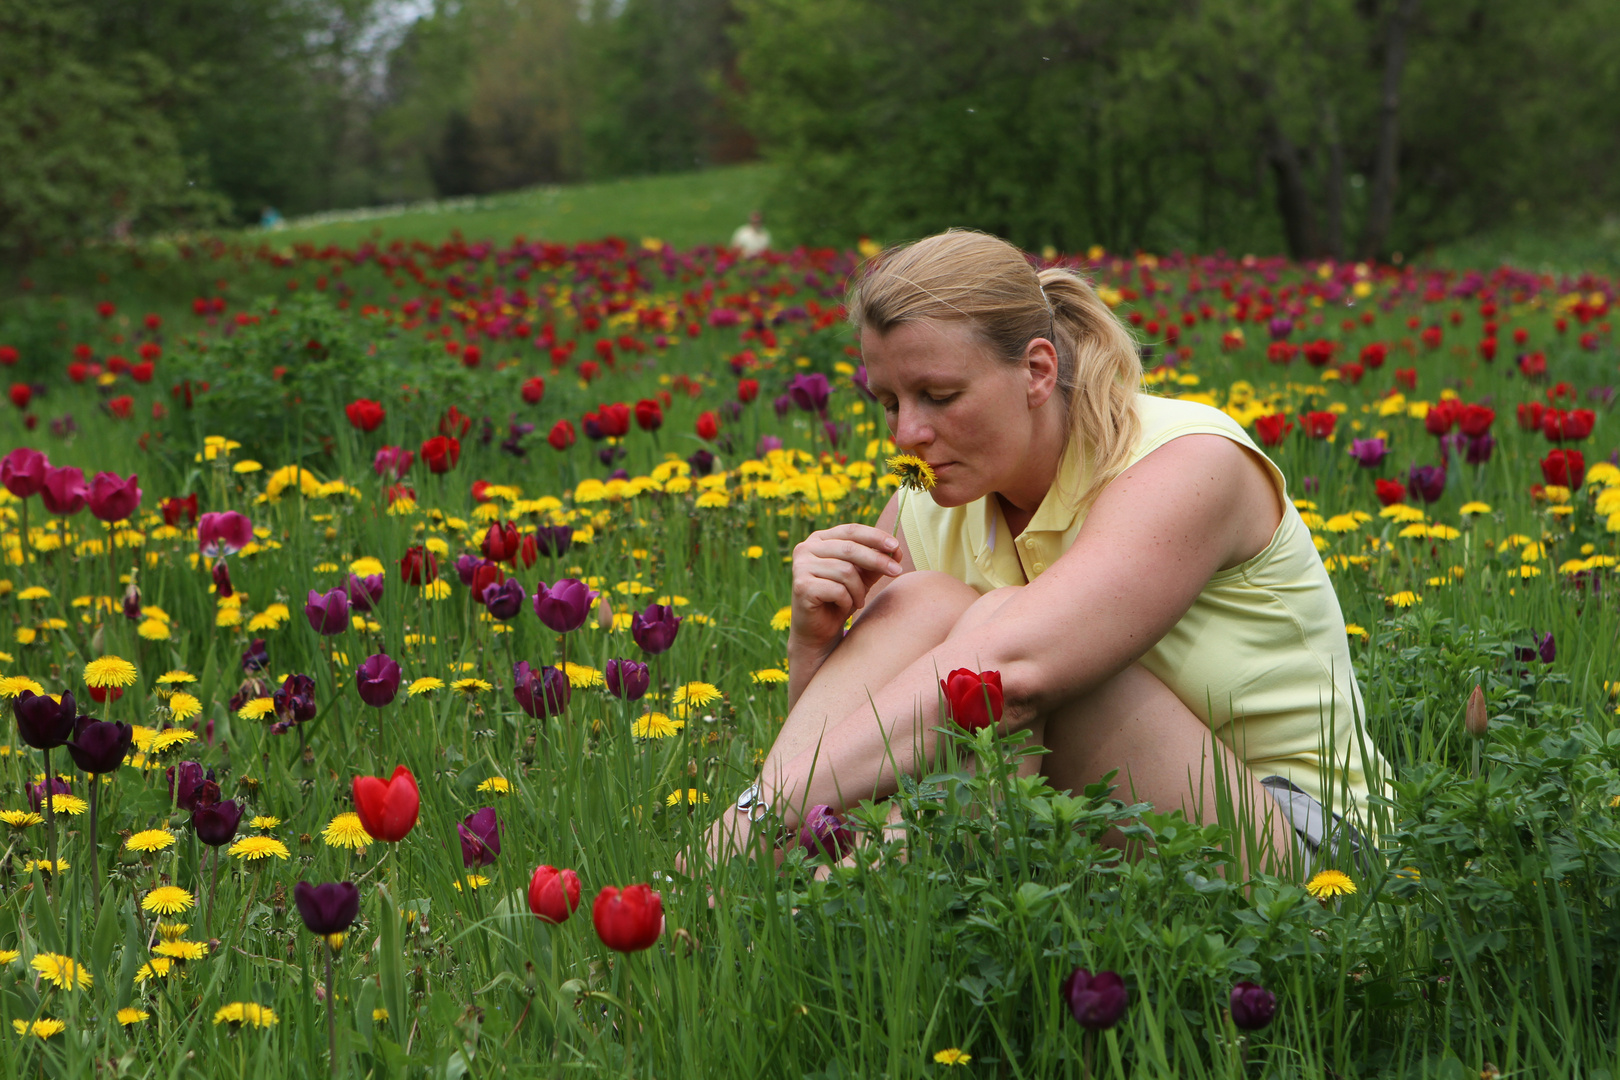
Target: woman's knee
[(981, 610), (922, 599)]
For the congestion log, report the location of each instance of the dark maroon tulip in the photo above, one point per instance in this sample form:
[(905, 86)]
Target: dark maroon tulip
[(113, 498), (36, 792), (223, 534), (553, 540), (99, 747), (327, 909), (216, 823), (364, 592), (504, 600), (185, 779), (809, 391), (207, 793), (222, 580), (42, 723), (329, 613), (654, 629), (701, 462), (1097, 1001), (627, 679), (1426, 482), (825, 833), (65, 491), (132, 602), (23, 471), (466, 566), (540, 693), (255, 657), (378, 680), (782, 405), (1479, 449), (1253, 1006), (565, 605), (480, 838), (1545, 649), (295, 701)]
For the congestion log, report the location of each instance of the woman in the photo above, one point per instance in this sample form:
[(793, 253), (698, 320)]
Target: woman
[(1130, 565)]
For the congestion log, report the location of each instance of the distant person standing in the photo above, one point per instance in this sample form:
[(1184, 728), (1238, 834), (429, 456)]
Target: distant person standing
[(752, 239), (270, 218)]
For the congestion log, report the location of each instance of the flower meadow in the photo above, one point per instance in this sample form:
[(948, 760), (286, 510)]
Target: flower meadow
[(382, 628)]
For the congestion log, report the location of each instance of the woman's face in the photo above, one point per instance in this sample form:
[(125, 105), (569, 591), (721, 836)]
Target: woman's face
[(948, 400)]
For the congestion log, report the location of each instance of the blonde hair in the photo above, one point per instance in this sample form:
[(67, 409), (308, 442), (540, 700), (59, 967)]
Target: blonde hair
[(967, 276)]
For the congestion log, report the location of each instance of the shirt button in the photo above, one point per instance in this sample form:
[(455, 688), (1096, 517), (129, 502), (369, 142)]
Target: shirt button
[(1039, 567)]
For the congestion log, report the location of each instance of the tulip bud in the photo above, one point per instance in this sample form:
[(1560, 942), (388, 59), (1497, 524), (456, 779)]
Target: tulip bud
[(604, 613), (1475, 720)]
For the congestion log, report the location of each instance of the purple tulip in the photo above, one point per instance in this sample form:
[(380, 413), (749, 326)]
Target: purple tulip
[(701, 462), (328, 614), (377, 680), (1252, 1005), (1479, 449), (782, 405), (132, 603), (23, 471), (1097, 1001), (222, 580), (480, 838), (255, 657), (1280, 328), (859, 379), (392, 462), (1370, 453), (565, 605), (540, 693), (365, 593), (1547, 648), (99, 747), (217, 823), (185, 781), (65, 491), (223, 534), (295, 701), (627, 679), (553, 540), (112, 497), (36, 792), (654, 629), (825, 833), (767, 443), (42, 723), (1426, 482), (466, 566), (503, 600), (327, 909), (809, 391)]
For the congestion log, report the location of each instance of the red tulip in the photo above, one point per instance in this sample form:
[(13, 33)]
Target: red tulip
[(1319, 425), (388, 808), (418, 565), (1564, 468), (441, 453), (1530, 413), (553, 894), (614, 419), (628, 920), (365, 414), (649, 416), (1572, 426), (1374, 355), (562, 435), (747, 390), (534, 390), (1476, 420), (708, 426), (142, 372), (1442, 416), (501, 542), (23, 471), (21, 394), (1390, 491), (973, 698), (1273, 429)]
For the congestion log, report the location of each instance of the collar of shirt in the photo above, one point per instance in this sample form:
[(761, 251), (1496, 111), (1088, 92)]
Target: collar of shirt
[(1017, 560)]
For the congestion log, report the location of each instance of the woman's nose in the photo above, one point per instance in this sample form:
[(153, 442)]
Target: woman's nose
[(910, 432)]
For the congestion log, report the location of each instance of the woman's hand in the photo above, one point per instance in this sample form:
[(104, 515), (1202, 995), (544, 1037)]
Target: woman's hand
[(834, 570)]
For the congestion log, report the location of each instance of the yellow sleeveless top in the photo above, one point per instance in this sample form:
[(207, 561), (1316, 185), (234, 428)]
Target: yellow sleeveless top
[(1262, 655)]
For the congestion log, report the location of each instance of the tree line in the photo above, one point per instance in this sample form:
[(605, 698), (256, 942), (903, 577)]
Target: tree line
[(1347, 128)]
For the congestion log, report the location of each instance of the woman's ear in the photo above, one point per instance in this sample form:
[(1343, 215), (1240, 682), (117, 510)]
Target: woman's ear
[(1041, 362)]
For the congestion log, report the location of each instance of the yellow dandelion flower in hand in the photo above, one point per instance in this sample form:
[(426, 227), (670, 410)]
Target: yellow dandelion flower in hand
[(1331, 884), (913, 472), (108, 671)]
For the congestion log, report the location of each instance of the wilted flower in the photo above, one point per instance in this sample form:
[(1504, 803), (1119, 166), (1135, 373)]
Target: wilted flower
[(295, 700)]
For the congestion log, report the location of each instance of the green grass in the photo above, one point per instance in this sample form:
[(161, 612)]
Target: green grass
[(684, 209)]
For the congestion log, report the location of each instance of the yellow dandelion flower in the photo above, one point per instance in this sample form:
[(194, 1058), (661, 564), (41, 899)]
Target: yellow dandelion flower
[(1330, 884), (436, 590), (172, 931), (8, 957), (129, 1015), (228, 617), (168, 900), (265, 821), (45, 866), (35, 592), (182, 950), (13, 686), (19, 819), (913, 472), (783, 619), (498, 785), (656, 726), (379, 1015), (150, 840), (175, 677), (345, 831), (425, 685), (108, 671), (257, 709), (952, 1056), (753, 551), (254, 848), (1529, 571), (71, 805), (60, 971), (157, 968), (246, 1014), (172, 737), (471, 686), (367, 565), (474, 882), (692, 796), (1470, 508), (1405, 598), (153, 630), (1356, 631), (583, 676), (770, 676), (184, 706), (43, 1028), (696, 694)]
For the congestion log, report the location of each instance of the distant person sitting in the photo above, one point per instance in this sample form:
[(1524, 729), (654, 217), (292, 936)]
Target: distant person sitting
[(270, 218), (752, 239)]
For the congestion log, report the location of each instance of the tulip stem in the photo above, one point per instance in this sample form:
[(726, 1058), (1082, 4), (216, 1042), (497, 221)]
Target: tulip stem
[(331, 1015), (95, 859), (50, 823), (213, 886), (1087, 1047)]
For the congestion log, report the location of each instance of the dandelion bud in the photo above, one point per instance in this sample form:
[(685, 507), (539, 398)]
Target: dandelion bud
[(604, 613), (1474, 718)]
